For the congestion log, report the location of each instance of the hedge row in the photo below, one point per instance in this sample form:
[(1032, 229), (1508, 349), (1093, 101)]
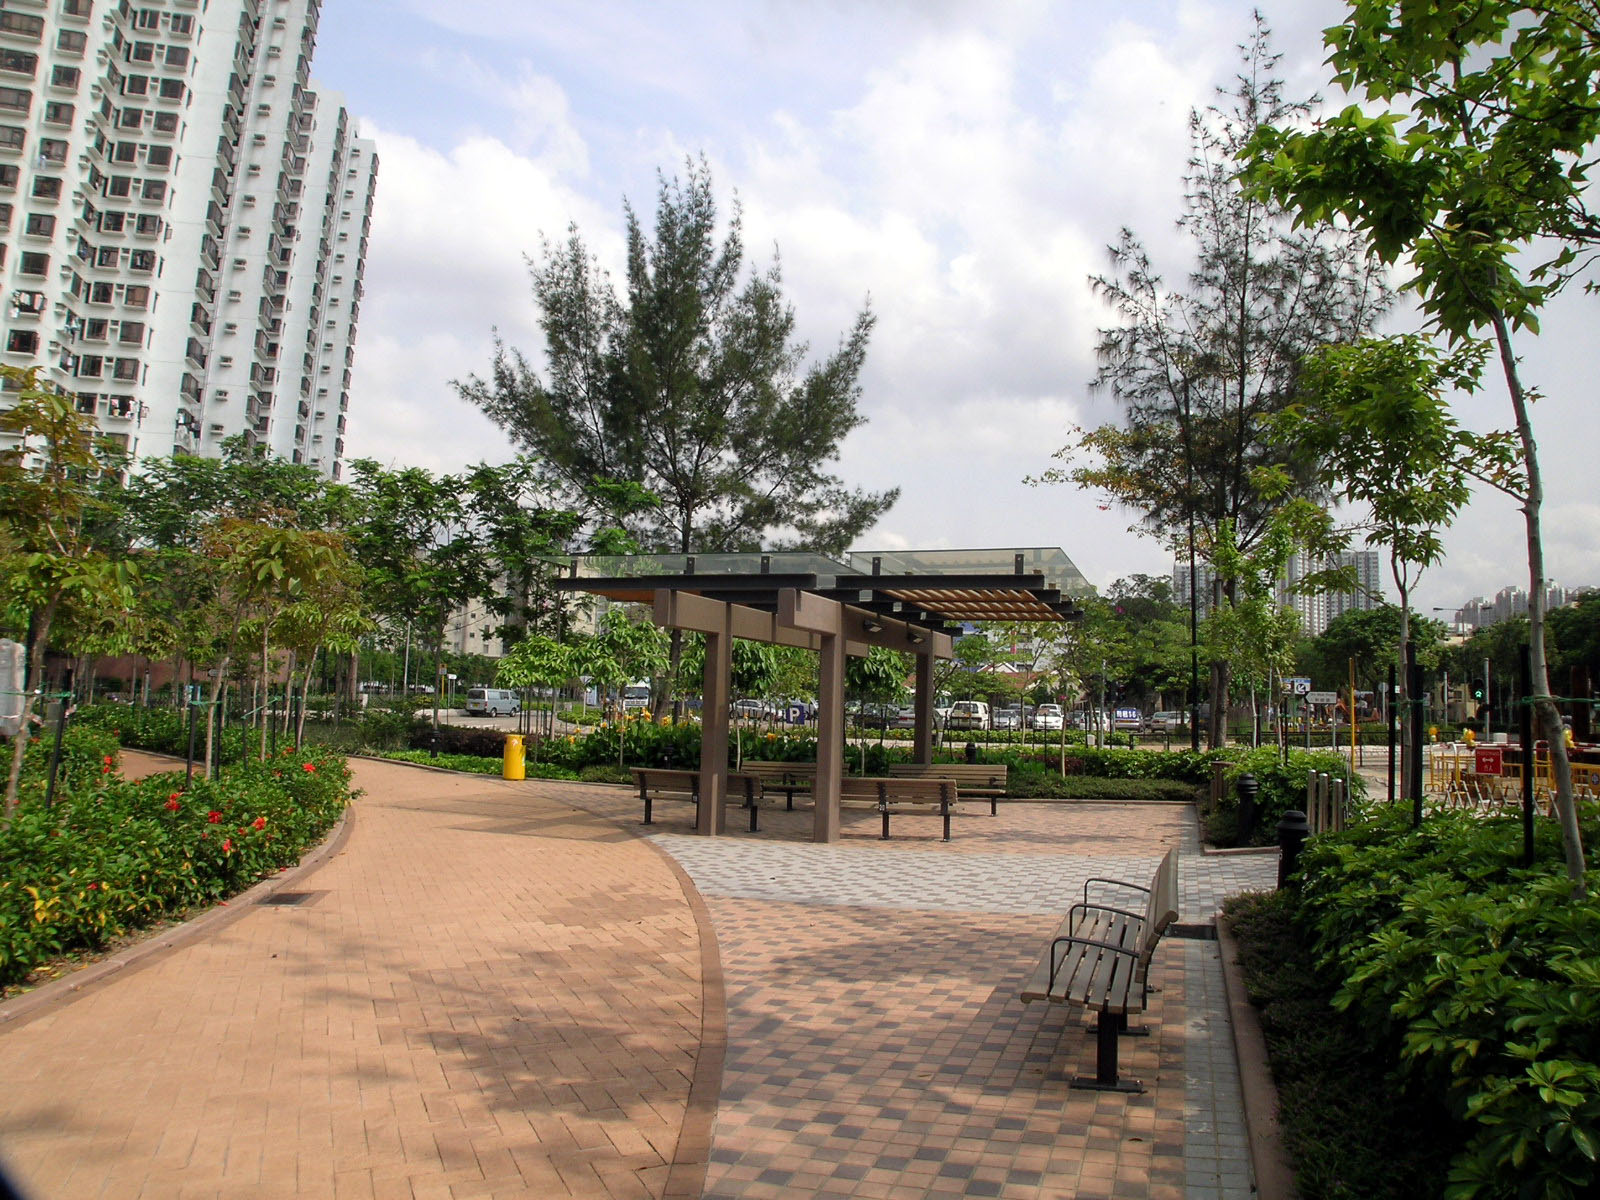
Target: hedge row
[(1478, 980), (112, 855)]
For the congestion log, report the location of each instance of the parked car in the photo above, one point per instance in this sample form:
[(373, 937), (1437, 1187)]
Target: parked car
[(1167, 722), (876, 716), (749, 710), (1127, 720), (969, 714), (906, 718), (1008, 718), (1084, 719), (491, 702), (1047, 718)]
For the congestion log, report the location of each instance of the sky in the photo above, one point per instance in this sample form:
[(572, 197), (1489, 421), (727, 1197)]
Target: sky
[(959, 166)]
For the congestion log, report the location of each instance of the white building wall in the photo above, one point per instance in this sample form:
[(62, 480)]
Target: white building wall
[(155, 251)]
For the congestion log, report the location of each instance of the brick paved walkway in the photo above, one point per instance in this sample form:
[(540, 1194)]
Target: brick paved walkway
[(503, 990), (489, 993)]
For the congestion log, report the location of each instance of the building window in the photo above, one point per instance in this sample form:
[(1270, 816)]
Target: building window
[(155, 189), (136, 85), (111, 222), (158, 156), (137, 295), (109, 257), (166, 122), (22, 341), (90, 366), (177, 58), (125, 152), (12, 137), (15, 99), (144, 52), (40, 225), (132, 333), (71, 41), (172, 89), (180, 25), (52, 150), (18, 62), (58, 112), (120, 186), (126, 368), (64, 77), (10, 176), (23, 24), (142, 260), (32, 262), (149, 225), (95, 329), (46, 187), (130, 118)]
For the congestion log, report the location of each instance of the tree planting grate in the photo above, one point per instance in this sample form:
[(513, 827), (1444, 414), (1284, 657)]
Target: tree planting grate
[(291, 899), (1199, 933)]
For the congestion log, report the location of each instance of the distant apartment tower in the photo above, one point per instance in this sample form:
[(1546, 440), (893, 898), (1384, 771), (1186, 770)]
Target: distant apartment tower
[(183, 221), (1317, 609), (1481, 612), (1204, 577)]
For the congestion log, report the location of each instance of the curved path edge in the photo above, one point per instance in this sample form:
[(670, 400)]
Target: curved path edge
[(48, 997)]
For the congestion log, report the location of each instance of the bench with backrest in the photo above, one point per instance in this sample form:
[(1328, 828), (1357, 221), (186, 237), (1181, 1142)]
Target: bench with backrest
[(663, 783), (1099, 960), (785, 777), (985, 780), (891, 795)]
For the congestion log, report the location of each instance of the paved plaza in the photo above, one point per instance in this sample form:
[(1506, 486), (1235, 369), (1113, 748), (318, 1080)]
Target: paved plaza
[(515, 989)]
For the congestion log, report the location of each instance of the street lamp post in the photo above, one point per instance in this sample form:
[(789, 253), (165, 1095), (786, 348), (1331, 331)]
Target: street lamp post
[(1194, 600)]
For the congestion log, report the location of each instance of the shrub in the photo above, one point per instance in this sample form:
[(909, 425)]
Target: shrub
[(1280, 786), (1482, 976), (1033, 781), (114, 855)]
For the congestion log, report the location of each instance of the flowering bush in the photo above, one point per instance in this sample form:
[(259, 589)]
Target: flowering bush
[(113, 855)]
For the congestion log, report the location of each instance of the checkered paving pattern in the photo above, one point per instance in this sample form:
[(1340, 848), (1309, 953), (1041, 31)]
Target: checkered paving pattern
[(884, 1054), (490, 994), (876, 1044)]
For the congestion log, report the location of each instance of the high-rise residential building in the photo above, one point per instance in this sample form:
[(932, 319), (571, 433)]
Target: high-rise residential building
[(183, 221), (1315, 609), (1508, 602)]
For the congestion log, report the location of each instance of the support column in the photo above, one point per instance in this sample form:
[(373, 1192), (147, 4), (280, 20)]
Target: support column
[(830, 739), (712, 818), (923, 746)]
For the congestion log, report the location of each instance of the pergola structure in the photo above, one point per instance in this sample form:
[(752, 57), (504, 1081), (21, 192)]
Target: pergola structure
[(909, 601)]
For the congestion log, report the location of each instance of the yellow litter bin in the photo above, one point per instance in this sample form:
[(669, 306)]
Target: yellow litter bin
[(514, 760)]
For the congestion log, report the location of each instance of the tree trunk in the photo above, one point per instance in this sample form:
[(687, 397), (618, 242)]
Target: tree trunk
[(266, 689), (305, 695), (1407, 744), (1548, 717), (39, 638)]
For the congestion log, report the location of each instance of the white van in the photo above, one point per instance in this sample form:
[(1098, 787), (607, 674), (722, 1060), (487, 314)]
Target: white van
[(968, 714), (491, 702)]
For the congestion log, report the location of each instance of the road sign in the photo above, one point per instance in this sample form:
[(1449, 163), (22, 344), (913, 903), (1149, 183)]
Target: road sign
[(1299, 685), (1489, 760), (1322, 697)]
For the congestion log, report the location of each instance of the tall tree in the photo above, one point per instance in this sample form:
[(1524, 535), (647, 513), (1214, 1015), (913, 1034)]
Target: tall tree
[(1197, 369), (690, 384), (50, 560), (1473, 169)]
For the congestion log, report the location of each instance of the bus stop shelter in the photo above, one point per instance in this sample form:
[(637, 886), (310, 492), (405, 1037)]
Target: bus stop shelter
[(913, 601)]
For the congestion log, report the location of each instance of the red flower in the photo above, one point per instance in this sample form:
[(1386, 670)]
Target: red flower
[(107, 760), (105, 770), (309, 766), (214, 817), (94, 887), (227, 845), (260, 822), (174, 795), (173, 805)]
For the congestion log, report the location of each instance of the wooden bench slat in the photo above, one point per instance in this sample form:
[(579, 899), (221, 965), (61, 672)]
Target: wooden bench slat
[(1100, 957)]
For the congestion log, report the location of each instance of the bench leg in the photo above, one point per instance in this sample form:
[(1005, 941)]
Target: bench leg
[(790, 795), (647, 808), (994, 807), (754, 809), (946, 807), (885, 837), (1105, 1061)]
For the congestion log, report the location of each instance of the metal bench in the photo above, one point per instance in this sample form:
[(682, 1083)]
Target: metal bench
[(973, 779), (663, 783), (1100, 960), (890, 795)]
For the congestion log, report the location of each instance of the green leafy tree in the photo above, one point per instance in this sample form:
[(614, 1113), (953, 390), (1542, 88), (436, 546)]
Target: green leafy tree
[(50, 564), (1469, 164), (1198, 369), (691, 385)]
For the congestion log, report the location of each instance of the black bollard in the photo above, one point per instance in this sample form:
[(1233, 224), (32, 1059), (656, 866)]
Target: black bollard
[(1248, 789), (972, 752), (1293, 830)]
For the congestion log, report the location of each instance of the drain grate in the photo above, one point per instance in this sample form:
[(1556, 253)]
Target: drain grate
[(290, 899), (1198, 933)]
